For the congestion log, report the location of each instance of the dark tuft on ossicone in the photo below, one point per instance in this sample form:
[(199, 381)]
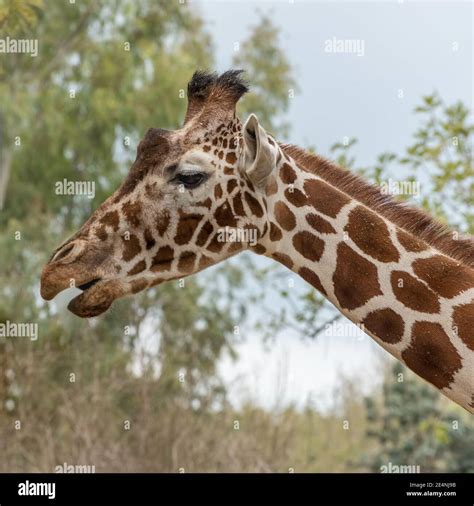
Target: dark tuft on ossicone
[(230, 83), (234, 82), (201, 83)]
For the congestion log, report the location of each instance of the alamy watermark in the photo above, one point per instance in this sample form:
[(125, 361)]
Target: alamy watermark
[(393, 187), (74, 468), (32, 488), (344, 329), (399, 469), (27, 46), (11, 329), (230, 234), (346, 46), (66, 187)]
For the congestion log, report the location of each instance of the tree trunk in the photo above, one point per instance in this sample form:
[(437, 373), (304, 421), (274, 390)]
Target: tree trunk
[(5, 168), (5, 162)]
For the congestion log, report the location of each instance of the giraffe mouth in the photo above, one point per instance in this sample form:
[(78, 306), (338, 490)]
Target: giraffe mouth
[(97, 296), (89, 284)]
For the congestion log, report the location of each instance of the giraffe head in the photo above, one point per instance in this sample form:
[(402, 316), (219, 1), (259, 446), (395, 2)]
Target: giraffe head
[(192, 198)]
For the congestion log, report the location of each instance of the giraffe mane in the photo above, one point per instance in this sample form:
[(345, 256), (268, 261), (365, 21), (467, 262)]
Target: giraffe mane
[(411, 219)]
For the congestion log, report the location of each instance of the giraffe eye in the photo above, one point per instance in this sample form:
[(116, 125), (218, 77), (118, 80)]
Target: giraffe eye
[(191, 180)]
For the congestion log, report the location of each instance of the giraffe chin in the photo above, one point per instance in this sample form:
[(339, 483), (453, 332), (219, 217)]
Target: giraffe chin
[(95, 300), (79, 308)]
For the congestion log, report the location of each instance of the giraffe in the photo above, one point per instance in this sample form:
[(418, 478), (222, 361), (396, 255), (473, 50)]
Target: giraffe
[(383, 264)]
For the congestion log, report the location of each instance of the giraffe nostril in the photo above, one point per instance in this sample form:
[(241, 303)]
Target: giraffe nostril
[(63, 253), (70, 251)]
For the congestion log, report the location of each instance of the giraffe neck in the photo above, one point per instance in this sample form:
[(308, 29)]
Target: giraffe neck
[(416, 302)]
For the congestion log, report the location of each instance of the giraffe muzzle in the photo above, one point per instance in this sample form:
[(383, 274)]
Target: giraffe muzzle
[(97, 294), (74, 264)]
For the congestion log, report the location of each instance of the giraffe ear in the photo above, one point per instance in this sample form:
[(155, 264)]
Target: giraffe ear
[(259, 154)]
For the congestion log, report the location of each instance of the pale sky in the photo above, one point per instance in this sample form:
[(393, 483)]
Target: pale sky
[(415, 47), (408, 46)]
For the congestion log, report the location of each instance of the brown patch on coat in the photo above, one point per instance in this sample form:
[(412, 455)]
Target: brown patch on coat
[(204, 234), (324, 198), (432, 355), (409, 242), (224, 216), (386, 324), (287, 174), (231, 158), (162, 223), (308, 245), (111, 219), (150, 190), (218, 191), (186, 262), (188, 222), (355, 278), (259, 249), (254, 205), (215, 245), (463, 321), (320, 224), (234, 247), (296, 197), (132, 212), (139, 267), (162, 260), (312, 278), (413, 293), (231, 184), (138, 285), (238, 205), (149, 239), (131, 247), (284, 216), (443, 275), (371, 234), (275, 232), (205, 203), (283, 259), (101, 233), (205, 261)]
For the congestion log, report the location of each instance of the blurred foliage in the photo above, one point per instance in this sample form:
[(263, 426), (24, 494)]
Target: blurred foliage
[(97, 84), (19, 14), (440, 159), (414, 425), (272, 84)]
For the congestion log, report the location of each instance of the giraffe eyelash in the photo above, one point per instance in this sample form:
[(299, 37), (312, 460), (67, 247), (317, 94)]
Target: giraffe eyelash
[(190, 179)]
